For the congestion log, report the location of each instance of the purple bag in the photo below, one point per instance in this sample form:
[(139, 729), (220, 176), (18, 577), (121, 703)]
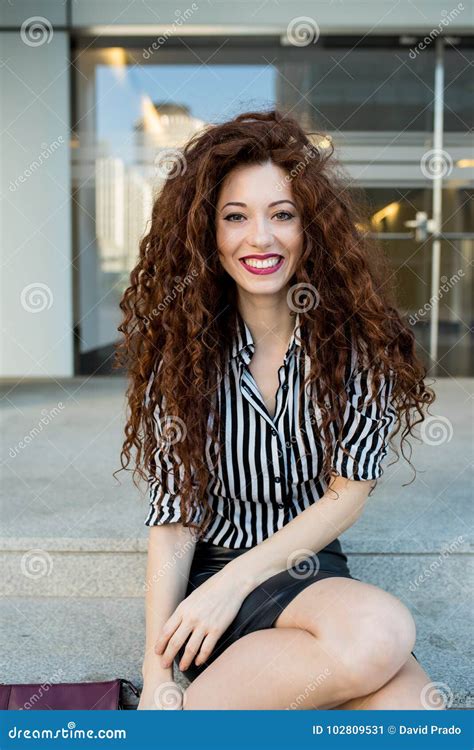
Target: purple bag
[(63, 696)]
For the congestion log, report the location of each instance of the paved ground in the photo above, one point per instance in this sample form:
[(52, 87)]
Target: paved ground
[(76, 604)]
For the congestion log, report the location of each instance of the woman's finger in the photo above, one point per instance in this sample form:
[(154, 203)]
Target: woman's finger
[(207, 647), (175, 643), (192, 647), (169, 627)]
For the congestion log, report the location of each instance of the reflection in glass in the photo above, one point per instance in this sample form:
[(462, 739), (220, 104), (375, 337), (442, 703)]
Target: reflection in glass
[(135, 109)]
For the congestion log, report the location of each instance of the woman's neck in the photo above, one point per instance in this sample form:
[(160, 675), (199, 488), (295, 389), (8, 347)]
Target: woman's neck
[(269, 318)]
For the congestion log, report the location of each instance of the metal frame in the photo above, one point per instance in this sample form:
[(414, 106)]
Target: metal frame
[(437, 196)]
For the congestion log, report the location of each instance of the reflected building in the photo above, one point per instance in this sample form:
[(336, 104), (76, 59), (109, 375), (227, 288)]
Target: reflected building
[(134, 99), (124, 193)]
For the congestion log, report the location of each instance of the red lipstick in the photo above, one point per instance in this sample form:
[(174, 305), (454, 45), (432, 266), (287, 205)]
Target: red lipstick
[(262, 271)]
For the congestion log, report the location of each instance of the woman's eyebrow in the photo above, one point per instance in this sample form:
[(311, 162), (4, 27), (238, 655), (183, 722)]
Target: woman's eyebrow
[(275, 203)]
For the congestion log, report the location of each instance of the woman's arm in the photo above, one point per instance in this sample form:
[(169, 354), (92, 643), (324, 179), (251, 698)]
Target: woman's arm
[(312, 529), (170, 553), (208, 610)]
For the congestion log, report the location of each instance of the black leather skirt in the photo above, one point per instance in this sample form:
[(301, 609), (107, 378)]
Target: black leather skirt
[(261, 608)]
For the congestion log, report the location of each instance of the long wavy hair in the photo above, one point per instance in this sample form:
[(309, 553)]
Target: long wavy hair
[(179, 308)]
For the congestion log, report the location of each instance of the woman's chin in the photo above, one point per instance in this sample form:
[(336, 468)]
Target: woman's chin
[(261, 287)]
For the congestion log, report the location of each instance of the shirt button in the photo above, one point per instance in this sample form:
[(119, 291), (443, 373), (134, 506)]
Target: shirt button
[(274, 432), (277, 479), (285, 387)]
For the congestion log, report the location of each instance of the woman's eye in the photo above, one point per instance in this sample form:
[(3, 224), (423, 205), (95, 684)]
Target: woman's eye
[(229, 217), (285, 214)]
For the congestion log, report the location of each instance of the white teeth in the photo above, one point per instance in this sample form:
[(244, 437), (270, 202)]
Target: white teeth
[(268, 263)]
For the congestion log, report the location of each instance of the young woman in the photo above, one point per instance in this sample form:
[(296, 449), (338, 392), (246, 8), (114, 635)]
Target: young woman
[(268, 368)]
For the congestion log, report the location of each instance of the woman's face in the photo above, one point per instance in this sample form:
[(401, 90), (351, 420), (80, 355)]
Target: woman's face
[(258, 229)]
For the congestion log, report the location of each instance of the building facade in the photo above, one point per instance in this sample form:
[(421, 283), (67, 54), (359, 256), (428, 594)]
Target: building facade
[(98, 96)]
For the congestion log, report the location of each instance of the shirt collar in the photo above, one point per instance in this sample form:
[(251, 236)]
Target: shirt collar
[(243, 344)]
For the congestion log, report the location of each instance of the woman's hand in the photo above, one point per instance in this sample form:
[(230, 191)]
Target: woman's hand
[(204, 615)]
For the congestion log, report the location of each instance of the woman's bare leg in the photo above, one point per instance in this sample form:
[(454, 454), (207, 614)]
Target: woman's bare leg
[(410, 689), (338, 637), (271, 669)]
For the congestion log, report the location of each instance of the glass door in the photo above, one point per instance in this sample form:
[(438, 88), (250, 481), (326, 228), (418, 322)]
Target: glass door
[(407, 243), (373, 98)]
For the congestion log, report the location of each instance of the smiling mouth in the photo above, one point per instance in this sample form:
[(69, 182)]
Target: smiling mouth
[(266, 263), (262, 265)]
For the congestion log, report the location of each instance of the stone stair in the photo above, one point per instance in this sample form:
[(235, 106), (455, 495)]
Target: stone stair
[(73, 543)]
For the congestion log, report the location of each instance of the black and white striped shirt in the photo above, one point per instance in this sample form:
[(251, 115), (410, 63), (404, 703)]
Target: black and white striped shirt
[(270, 469)]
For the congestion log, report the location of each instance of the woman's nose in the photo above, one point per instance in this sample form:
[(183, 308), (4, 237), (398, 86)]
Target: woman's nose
[(260, 235)]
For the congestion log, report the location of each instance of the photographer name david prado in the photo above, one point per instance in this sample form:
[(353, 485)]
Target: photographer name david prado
[(351, 729), (428, 729)]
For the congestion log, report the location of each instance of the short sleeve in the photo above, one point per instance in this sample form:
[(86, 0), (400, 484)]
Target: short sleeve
[(365, 429), (168, 477)]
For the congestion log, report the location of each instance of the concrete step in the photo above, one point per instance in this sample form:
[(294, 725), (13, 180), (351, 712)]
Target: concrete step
[(73, 640), (114, 567), (73, 567), (92, 586), (73, 542), (51, 639)]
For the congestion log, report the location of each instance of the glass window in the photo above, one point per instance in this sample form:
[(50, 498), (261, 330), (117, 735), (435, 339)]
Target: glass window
[(134, 103), (458, 88), (360, 89)]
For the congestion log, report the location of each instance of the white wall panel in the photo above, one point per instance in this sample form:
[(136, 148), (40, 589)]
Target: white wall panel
[(35, 220)]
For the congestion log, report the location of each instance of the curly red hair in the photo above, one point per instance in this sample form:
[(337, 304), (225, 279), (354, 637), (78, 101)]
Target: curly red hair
[(179, 306)]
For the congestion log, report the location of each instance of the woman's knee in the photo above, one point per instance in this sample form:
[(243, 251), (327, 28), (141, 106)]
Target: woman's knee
[(386, 635), (368, 630)]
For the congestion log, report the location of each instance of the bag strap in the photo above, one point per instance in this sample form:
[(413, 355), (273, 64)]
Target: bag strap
[(5, 691), (132, 687)]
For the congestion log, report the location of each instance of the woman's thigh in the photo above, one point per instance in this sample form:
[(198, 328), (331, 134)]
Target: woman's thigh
[(354, 618), (340, 604)]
